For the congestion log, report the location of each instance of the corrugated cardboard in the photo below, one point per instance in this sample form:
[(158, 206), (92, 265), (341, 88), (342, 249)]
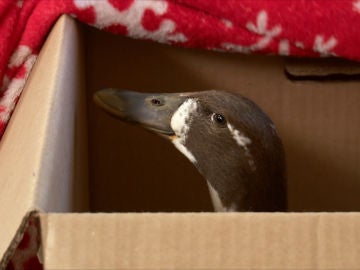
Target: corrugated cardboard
[(43, 164), (44, 168), (202, 241)]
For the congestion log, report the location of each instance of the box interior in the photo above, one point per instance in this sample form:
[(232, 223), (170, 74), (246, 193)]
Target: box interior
[(132, 170)]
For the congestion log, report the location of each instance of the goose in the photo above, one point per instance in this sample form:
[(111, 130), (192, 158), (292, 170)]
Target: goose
[(228, 138)]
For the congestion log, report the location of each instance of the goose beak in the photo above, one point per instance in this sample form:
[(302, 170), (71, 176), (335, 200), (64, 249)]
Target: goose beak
[(152, 111)]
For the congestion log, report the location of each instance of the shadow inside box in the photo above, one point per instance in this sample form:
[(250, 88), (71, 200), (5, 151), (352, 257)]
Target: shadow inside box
[(132, 170)]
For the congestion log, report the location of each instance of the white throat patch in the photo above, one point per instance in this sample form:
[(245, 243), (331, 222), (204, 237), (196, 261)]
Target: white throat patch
[(180, 123), (218, 206)]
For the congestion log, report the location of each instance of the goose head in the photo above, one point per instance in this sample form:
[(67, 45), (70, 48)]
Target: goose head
[(228, 138)]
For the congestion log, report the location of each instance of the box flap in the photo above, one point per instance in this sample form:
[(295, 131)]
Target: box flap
[(36, 172), (321, 69), (201, 241)]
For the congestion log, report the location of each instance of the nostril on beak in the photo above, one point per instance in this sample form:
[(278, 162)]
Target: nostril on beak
[(156, 102)]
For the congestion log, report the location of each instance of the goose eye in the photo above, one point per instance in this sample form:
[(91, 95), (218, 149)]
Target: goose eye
[(218, 118)]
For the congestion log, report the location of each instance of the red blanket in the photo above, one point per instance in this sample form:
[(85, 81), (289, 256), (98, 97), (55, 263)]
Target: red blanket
[(286, 27)]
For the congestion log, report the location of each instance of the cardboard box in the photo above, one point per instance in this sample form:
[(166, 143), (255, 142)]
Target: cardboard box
[(66, 163)]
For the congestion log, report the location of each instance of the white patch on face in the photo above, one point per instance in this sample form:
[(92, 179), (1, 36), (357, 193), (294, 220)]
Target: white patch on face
[(218, 206), (243, 141), (180, 123), (239, 138)]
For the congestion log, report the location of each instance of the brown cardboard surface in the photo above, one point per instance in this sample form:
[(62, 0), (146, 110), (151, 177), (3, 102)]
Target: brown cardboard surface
[(201, 241), (42, 163)]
